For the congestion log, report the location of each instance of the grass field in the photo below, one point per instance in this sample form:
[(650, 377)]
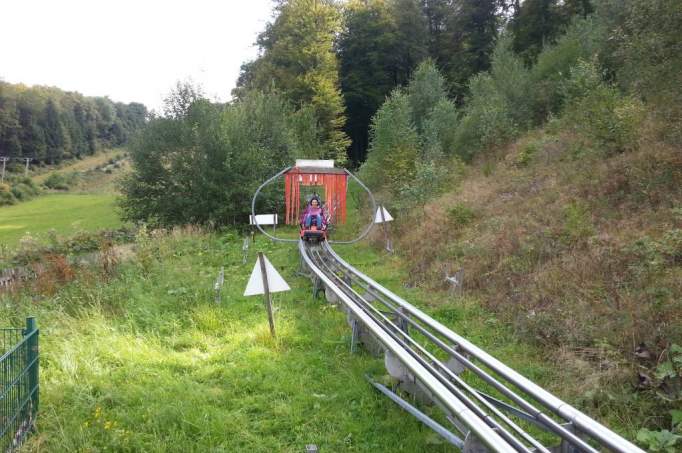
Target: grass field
[(87, 163), (65, 213), (149, 362)]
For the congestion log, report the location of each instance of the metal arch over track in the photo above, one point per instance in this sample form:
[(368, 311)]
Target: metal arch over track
[(414, 345), (364, 233)]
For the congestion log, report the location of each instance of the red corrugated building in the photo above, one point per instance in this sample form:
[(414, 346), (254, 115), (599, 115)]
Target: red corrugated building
[(316, 173)]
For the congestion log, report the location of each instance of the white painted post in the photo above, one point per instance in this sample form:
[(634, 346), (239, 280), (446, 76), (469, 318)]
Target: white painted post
[(4, 161), (383, 216), (27, 159)]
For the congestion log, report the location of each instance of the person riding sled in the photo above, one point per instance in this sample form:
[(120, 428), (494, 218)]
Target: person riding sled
[(314, 213)]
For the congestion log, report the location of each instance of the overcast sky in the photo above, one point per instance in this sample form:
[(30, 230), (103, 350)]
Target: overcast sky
[(129, 50)]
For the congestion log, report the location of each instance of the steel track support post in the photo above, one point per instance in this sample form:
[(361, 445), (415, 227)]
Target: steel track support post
[(354, 337)]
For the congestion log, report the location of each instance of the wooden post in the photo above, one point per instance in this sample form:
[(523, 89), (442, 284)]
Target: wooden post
[(266, 293)]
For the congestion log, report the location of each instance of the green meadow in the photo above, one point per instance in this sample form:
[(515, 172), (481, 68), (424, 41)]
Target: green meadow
[(65, 213), (147, 361)]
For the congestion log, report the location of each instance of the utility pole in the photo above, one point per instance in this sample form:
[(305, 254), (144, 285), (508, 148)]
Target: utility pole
[(4, 160), (28, 160)]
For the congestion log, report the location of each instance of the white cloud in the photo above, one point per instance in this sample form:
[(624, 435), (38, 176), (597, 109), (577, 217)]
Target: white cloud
[(129, 50)]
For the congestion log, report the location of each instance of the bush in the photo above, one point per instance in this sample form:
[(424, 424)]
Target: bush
[(460, 214), (203, 164), (23, 188), (56, 181), (7, 198), (394, 145), (409, 137), (499, 104), (600, 112), (651, 52)]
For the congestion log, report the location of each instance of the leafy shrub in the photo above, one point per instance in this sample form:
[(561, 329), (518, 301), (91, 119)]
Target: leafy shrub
[(584, 39), (202, 164), (668, 382), (7, 198), (23, 188), (577, 223), (410, 135), (651, 53), (499, 104), (659, 441), (460, 214), (56, 181), (600, 112), (394, 145), (528, 151)]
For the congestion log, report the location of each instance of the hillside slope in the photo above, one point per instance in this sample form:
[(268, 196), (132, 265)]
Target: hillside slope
[(580, 252)]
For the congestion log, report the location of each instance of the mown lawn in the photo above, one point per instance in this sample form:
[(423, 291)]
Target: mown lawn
[(149, 362), (65, 213)]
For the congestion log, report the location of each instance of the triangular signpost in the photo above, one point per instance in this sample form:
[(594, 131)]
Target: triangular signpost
[(265, 280), (383, 216)]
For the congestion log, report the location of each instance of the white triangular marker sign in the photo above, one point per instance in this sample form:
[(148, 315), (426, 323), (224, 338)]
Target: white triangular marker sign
[(275, 281), (387, 216)]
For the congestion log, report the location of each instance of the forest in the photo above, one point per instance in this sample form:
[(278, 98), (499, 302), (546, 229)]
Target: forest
[(49, 125), (400, 88)]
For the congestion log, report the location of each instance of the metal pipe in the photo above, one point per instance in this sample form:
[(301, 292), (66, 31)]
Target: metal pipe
[(542, 419), (451, 376), (253, 208), (486, 434), (374, 208), (580, 420), (422, 417)]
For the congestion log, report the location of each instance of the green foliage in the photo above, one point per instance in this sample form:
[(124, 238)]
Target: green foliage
[(600, 112), (525, 156), (49, 125), (394, 144), (60, 180), (410, 135), (650, 49), (464, 39), (577, 223), (298, 58), (498, 105), (538, 22), (425, 90), (460, 214), (659, 441), (203, 164), (366, 48), (20, 188)]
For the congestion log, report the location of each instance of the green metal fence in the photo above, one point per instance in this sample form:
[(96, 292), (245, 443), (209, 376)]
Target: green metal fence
[(18, 384)]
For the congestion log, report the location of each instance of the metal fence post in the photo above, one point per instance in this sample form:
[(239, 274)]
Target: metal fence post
[(33, 358)]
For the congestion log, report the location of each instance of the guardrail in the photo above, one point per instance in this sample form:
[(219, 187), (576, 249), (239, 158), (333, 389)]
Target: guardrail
[(19, 386)]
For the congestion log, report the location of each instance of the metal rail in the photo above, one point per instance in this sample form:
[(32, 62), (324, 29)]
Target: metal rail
[(507, 423)]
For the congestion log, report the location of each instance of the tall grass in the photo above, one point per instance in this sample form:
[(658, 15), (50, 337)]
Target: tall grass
[(148, 361)]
